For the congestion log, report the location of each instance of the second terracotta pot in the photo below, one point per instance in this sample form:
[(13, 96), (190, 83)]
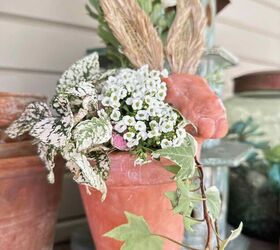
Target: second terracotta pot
[(28, 204), (139, 190)]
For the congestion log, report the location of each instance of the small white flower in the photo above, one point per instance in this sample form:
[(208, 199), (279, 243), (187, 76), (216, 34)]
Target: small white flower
[(128, 120), (177, 142), (140, 126), (148, 99), (130, 87), (114, 97), (155, 155), (120, 127), (181, 133), (142, 115), (152, 111), (160, 95), (165, 143), (153, 133), (137, 104), (111, 80), (154, 73), (132, 143), (166, 127), (154, 125), (122, 93), (105, 101), (115, 115), (142, 135), (173, 116), (164, 73), (129, 136), (129, 101), (140, 161)]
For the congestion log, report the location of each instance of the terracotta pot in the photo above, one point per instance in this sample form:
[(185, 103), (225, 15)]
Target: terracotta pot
[(139, 190), (28, 204), (13, 104), (17, 149)]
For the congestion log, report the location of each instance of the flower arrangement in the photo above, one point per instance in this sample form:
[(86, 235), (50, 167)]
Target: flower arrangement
[(95, 113)]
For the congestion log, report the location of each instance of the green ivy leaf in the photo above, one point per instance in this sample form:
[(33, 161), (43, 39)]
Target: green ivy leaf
[(174, 169), (213, 202), (135, 234), (186, 198), (234, 234), (183, 201), (189, 223), (183, 156)]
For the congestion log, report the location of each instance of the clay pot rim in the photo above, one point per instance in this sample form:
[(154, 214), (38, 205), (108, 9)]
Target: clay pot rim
[(257, 81), (22, 95)]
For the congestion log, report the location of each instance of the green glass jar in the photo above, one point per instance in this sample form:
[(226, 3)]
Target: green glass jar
[(254, 116)]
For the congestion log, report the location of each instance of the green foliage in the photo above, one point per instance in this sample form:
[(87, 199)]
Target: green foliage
[(161, 18), (136, 234), (244, 131), (184, 200), (113, 46), (183, 156), (272, 155), (214, 202), (90, 133), (234, 234)]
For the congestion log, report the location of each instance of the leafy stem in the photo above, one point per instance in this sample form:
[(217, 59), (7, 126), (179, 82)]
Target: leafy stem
[(175, 242), (204, 202)]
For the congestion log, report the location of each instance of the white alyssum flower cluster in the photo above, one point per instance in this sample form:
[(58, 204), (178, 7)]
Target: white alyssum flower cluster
[(134, 100)]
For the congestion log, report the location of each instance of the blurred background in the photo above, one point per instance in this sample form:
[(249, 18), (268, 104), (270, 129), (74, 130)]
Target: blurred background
[(40, 39)]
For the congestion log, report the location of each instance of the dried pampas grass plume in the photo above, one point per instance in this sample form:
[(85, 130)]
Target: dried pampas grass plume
[(135, 32), (185, 41)]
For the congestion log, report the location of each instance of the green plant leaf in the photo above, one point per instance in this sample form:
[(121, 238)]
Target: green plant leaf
[(84, 173), (234, 234), (213, 202), (189, 223), (174, 169), (90, 133), (95, 4), (32, 114), (186, 198), (146, 5), (183, 156), (136, 234), (273, 155)]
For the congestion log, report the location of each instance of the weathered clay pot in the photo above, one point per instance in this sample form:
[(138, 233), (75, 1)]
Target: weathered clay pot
[(28, 204), (17, 149), (139, 190), (13, 104)]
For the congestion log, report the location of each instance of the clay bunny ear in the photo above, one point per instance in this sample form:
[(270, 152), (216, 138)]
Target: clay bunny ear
[(185, 41), (135, 32)]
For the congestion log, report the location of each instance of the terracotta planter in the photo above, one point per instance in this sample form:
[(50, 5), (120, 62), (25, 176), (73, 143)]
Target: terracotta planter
[(139, 190), (13, 104), (28, 204), (17, 149)]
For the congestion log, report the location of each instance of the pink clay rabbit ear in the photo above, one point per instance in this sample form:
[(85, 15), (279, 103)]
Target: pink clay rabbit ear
[(185, 41), (135, 32)]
